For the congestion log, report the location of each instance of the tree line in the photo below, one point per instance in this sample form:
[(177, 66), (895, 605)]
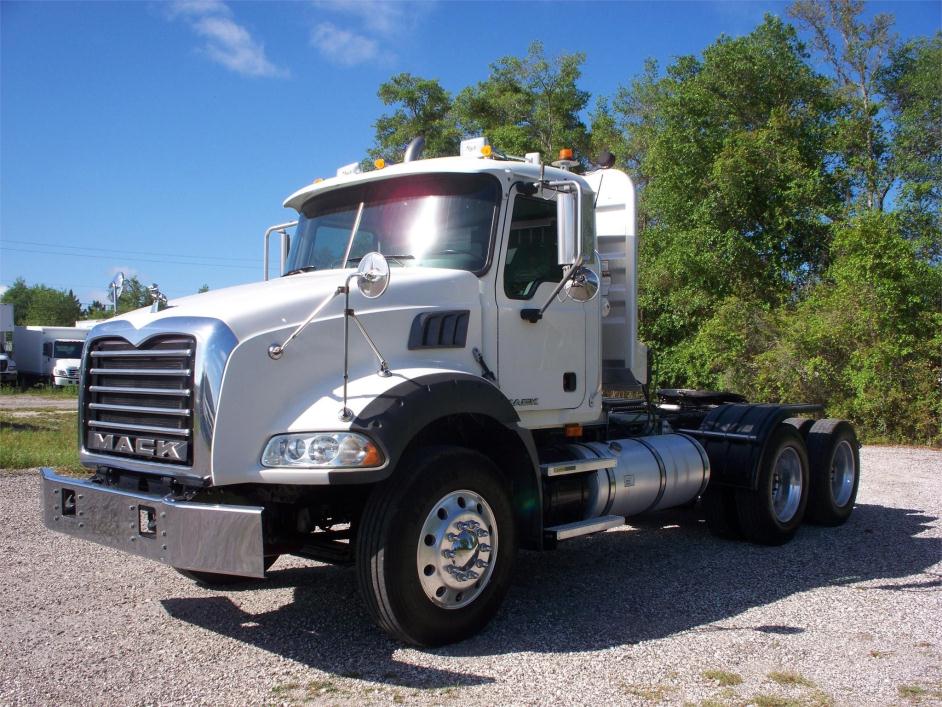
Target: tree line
[(40, 305), (789, 216)]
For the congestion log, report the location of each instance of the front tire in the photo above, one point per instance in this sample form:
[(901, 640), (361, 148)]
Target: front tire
[(771, 514), (436, 546)]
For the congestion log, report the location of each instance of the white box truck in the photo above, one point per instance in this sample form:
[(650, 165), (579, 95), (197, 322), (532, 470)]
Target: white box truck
[(49, 353)]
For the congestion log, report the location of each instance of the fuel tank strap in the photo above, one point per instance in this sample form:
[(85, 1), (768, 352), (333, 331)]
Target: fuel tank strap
[(661, 468)]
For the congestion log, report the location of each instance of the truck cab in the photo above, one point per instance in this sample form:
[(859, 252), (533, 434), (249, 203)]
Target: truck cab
[(447, 369)]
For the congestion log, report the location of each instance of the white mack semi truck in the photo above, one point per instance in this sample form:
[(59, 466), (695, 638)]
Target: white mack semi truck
[(448, 369)]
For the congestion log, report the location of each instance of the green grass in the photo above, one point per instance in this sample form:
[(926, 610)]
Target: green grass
[(790, 677), (722, 677), (43, 390), (44, 439)]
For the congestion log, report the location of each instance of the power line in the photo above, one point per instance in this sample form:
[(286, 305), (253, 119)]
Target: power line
[(130, 252), (114, 257)]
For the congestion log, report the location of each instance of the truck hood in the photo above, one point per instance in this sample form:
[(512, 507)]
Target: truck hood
[(287, 301), (67, 363)]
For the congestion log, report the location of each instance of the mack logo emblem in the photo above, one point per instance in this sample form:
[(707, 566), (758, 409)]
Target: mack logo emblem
[(524, 402), (172, 450)]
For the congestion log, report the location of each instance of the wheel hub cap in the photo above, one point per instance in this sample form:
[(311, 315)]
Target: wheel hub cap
[(457, 549), (786, 485), (843, 473)]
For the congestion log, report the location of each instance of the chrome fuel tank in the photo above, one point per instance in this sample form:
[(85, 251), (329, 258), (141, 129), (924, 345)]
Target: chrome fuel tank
[(652, 473)]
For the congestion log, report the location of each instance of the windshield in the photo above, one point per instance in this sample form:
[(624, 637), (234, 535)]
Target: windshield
[(67, 349), (439, 221)]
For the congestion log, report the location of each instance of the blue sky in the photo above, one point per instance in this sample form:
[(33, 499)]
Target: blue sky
[(159, 139)]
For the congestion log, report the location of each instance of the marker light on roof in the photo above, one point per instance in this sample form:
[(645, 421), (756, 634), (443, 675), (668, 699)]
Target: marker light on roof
[(379, 163), (474, 147), (349, 169)]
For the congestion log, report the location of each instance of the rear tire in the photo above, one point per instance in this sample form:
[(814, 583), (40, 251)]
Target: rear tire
[(802, 424), (436, 546), (771, 514), (834, 454)]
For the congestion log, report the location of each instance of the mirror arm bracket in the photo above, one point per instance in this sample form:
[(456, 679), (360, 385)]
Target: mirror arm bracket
[(535, 315)]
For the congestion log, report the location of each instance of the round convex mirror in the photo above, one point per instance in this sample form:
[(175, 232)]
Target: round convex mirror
[(374, 275), (583, 285)]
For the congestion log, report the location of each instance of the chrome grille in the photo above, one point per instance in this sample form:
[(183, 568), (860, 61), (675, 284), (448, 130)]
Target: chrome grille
[(140, 397)]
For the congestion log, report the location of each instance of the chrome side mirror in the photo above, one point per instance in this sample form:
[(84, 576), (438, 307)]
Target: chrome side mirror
[(373, 275), (582, 285), (567, 231)]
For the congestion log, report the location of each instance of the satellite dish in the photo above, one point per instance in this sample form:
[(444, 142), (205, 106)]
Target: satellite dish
[(117, 282)]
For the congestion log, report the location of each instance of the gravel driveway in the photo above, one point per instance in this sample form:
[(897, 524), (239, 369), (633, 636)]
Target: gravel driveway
[(35, 402), (644, 614)]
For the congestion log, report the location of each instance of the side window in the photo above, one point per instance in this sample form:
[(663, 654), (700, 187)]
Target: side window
[(531, 249)]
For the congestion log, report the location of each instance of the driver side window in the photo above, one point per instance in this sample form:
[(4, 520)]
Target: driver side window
[(531, 249)]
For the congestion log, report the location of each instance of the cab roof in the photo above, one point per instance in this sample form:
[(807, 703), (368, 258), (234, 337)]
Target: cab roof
[(457, 165)]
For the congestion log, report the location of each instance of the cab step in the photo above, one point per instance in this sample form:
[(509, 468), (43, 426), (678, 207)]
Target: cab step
[(567, 531), (577, 466)]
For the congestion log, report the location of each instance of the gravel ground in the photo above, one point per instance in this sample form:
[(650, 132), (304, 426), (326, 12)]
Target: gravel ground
[(35, 402), (848, 616)]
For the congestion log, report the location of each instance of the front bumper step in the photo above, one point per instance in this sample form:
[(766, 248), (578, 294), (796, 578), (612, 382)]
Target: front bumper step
[(201, 537)]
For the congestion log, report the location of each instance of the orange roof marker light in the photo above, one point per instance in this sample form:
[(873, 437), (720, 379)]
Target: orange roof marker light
[(379, 163), (486, 150), (566, 160)]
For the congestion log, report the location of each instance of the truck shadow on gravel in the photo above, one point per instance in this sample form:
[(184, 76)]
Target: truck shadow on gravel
[(664, 575)]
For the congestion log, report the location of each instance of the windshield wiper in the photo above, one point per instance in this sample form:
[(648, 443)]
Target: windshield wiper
[(388, 257), (305, 268)]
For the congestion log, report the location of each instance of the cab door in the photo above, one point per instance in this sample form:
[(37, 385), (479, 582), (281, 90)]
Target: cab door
[(541, 365)]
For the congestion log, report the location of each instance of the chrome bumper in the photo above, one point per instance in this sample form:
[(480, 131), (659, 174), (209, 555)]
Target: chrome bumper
[(193, 536)]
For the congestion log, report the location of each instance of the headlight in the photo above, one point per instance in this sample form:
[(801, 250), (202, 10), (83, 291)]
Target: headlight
[(319, 450), (11, 366), (58, 372)]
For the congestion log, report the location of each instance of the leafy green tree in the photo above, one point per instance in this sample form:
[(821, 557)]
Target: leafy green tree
[(19, 295), (134, 295), (912, 84), (39, 305), (528, 104), (856, 52), (422, 107), (97, 310), (866, 340), (739, 196)]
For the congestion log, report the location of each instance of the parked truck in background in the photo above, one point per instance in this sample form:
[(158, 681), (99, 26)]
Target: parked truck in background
[(447, 370), (49, 354), (8, 369)]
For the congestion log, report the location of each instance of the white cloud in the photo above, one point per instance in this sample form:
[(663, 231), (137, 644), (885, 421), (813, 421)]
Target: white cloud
[(342, 46), (376, 15), (225, 41), (3, 288), (361, 31)]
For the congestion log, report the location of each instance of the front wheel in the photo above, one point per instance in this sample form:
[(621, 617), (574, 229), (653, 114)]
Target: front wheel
[(436, 546)]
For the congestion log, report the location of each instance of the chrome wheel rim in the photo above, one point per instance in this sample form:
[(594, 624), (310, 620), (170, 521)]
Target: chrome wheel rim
[(843, 473), (786, 484), (457, 549)]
